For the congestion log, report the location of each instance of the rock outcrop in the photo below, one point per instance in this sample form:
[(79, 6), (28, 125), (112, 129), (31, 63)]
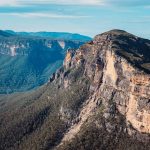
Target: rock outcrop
[(117, 81)]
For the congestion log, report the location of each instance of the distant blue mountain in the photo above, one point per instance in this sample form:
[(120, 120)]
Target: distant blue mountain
[(6, 34), (53, 35)]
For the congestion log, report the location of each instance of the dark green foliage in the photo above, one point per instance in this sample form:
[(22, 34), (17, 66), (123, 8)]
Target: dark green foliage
[(136, 50), (33, 120), (92, 137)]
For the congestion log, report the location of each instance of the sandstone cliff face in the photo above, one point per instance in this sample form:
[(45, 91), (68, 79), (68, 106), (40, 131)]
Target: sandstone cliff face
[(116, 82)]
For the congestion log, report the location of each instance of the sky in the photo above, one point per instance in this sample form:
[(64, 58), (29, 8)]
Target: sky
[(88, 17)]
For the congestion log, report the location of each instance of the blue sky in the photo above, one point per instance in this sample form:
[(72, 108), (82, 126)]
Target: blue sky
[(88, 17)]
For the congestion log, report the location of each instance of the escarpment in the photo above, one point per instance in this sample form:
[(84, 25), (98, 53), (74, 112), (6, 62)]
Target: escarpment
[(98, 99), (117, 81)]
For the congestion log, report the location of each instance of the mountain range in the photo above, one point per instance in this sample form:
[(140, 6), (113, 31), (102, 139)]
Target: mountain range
[(53, 35), (98, 100), (27, 62)]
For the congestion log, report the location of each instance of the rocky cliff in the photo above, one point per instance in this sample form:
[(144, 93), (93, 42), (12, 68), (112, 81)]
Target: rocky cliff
[(99, 99), (114, 62)]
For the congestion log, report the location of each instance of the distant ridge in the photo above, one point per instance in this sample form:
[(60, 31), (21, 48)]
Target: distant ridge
[(5, 34), (53, 35)]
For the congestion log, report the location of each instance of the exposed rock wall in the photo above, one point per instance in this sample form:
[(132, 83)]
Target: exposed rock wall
[(117, 84)]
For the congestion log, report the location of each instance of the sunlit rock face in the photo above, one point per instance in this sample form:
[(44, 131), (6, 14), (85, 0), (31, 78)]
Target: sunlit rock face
[(119, 85), (127, 86), (117, 75), (68, 58)]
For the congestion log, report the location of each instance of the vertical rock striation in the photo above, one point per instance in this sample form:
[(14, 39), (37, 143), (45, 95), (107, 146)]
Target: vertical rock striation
[(113, 62)]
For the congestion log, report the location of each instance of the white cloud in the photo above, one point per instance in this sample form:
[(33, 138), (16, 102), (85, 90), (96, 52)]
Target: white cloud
[(59, 2), (8, 2), (74, 2), (148, 6), (43, 15)]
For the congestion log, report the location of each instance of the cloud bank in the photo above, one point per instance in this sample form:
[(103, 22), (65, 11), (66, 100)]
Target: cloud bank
[(8, 2), (44, 15), (76, 2)]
